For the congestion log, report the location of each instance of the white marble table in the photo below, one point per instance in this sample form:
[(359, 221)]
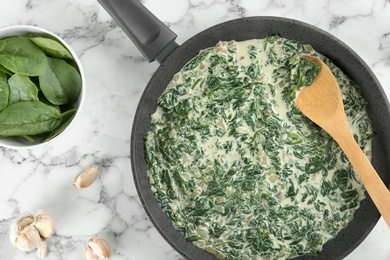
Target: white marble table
[(116, 75)]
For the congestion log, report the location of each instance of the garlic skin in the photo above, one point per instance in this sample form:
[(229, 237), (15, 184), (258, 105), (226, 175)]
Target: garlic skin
[(97, 249), (86, 177), (30, 231)]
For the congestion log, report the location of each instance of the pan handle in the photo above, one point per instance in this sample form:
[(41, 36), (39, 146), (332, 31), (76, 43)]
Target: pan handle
[(152, 37)]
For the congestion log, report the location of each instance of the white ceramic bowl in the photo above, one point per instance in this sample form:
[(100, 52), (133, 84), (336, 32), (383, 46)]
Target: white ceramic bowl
[(25, 30)]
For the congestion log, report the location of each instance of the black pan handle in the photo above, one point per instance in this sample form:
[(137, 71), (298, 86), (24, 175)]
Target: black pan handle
[(152, 37)]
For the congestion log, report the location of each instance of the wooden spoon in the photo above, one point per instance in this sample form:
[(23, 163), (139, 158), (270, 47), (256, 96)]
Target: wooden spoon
[(322, 103)]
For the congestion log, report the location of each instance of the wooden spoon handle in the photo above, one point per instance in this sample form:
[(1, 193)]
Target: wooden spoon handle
[(369, 177)]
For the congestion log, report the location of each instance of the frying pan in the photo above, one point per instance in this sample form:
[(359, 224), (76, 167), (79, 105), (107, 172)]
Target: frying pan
[(157, 42)]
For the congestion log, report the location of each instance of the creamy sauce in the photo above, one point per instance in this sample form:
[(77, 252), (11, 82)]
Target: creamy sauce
[(237, 169)]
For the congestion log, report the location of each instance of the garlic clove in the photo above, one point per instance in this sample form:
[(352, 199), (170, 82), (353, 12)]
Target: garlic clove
[(23, 243), (42, 249), (44, 224), (86, 177), (97, 248), (90, 255), (33, 235)]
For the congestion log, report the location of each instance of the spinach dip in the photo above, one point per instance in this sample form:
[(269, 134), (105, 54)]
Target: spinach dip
[(235, 165)]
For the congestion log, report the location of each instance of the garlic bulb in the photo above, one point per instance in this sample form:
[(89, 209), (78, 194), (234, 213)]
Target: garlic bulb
[(86, 177), (30, 231), (97, 249)]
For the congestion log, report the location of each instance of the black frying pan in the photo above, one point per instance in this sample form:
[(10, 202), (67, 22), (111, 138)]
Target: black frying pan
[(156, 41)]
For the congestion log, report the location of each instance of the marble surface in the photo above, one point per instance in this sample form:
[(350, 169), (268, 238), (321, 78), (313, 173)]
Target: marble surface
[(116, 74)]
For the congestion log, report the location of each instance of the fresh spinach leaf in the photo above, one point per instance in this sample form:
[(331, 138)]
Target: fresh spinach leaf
[(21, 89), (61, 83), (66, 118), (29, 138), (52, 47), (22, 56), (6, 71), (28, 118), (4, 91)]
